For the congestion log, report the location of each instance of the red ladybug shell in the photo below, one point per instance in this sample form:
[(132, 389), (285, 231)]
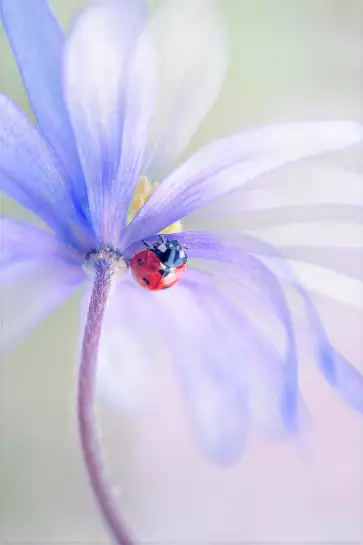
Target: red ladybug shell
[(148, 271)]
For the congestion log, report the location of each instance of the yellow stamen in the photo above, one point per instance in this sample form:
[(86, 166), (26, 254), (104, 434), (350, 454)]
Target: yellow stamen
[(143, 190)]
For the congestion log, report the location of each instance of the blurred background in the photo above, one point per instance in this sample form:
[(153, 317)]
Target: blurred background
[(291, 60)]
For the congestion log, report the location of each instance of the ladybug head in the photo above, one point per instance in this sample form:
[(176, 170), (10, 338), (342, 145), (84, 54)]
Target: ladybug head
[(170, 252)]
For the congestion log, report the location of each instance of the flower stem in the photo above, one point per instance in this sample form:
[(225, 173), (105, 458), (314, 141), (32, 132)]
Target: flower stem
[(86, 389)]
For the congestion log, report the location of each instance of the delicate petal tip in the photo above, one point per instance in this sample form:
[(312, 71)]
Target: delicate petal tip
[(346, 380)]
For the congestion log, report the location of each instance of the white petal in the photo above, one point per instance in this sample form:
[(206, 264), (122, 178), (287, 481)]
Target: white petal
[(192, 59)]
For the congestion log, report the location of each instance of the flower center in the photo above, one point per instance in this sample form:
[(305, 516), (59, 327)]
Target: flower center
[(143, 190), (106, 256)]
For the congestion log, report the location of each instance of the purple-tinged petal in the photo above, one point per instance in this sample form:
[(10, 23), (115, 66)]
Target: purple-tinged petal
[(226, 164), (330, 236), (264, 220), (192, 59), (31, 173), (20, 240), (336, 286), (228, 372), (258, 283), (208, 377), (233, 246), (321, 234), (37, 274), (30, 290), (38, 43), (309, 214), (129, 348), (259, 364), (343, 376), (109, 72), (139, 106), (335, 272), (338, 371), (295, 186), (341, 259), (209, 358)]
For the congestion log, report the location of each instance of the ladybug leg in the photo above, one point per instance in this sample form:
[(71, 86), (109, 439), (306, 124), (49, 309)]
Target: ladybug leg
[(146, 244), (161, 238)]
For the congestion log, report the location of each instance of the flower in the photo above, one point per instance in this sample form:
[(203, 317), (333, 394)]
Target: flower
[(101, 171)]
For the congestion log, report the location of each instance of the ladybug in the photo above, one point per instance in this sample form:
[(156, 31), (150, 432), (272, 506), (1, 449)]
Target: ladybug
[(159, 266)]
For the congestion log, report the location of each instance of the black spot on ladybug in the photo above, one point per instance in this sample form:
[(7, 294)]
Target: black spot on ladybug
[(146, 281), (139, 262)]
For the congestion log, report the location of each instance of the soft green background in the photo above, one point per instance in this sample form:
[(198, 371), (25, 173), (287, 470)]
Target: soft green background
[(291, 60)]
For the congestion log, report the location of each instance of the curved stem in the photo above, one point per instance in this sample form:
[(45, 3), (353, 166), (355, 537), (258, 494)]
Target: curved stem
[(86, 388)]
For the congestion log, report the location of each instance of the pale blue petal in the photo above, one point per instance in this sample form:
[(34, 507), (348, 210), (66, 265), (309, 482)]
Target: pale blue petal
[(31, 173), (227, 164), (38, 45), (109, 79)]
